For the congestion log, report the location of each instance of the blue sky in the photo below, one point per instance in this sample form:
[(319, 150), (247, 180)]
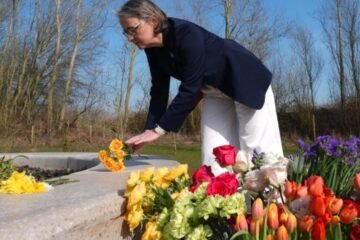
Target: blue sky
[(302, 12)]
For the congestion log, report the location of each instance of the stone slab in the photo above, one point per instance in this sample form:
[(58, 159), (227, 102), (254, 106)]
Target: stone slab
[(88, 209)]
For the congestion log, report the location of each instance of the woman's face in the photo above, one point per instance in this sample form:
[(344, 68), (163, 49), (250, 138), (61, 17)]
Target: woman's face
[(138, 31)]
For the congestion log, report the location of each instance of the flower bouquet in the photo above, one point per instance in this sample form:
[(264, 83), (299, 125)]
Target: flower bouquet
[(254, 199), (113, 159), (14, 182)]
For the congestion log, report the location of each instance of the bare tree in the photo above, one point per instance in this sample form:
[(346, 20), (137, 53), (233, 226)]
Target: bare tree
[(332, 24), (310, 66), (351, 27)]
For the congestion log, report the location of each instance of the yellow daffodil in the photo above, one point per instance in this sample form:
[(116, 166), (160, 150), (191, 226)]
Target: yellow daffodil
[(176, 172), (159, 178), (132, 181), (134, 217), (115, 145), (21, 183), (147, 174), (136, 195), (151, 232)]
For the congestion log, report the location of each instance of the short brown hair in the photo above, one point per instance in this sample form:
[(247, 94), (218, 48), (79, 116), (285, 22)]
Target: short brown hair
[(144, 9)]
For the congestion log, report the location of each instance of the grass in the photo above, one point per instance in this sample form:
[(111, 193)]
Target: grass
[(189, 154)]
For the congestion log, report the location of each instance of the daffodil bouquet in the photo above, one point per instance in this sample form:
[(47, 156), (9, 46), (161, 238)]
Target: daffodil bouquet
[(113, 159), (14, 182)]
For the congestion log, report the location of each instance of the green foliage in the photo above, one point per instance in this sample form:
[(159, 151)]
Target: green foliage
[(6, 168)]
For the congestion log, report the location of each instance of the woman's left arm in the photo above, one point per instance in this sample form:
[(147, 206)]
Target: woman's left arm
[(191, 51)]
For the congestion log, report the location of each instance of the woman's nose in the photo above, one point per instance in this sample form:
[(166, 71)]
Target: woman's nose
[(130, 38)]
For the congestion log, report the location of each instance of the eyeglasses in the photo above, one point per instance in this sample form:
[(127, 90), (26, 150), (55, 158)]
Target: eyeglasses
[(132, 31)]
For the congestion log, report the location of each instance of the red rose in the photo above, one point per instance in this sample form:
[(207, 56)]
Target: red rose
[(225, 155), (202, 174), (225, 184), (355, 233)]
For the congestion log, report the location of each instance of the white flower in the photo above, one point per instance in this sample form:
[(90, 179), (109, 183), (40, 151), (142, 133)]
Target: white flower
[(275, 173), (255, 181), (270, 158), (300, 206), (243, 161)]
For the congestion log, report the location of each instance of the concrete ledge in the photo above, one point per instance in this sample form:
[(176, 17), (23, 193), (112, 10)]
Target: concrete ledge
[(88, 209)]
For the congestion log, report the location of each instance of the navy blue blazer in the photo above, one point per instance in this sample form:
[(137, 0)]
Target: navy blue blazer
[(196, 57)]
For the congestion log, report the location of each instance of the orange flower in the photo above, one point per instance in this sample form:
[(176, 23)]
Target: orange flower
[(103, 155), (115, 145), (118, 167), (270, 237), (335, 219), (317, 206), (272, 216), (252, 226), (315, 185), (290, 190), (283, 217), (302, 191), (348, 214), (119, 154), (241, 223), (291, 223), (257, 209), (306, 223), (282, 233), (318, 230), (334, 204), (357, 182), (109, 163)]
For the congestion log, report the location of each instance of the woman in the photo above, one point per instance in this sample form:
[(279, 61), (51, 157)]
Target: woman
[(238, 103)]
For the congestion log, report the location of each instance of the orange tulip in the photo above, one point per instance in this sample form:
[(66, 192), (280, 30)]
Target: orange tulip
[(270, 237), (302, 192), (283, 218), (241, 223), (334, 204), (291, 223), (318, 230), (306, 223), (357, 182), (317, 206), (257, 209), (315, 186), (348, 214), (273, 216), (253, 226), (335, 219), (282, 233), (290, 190)]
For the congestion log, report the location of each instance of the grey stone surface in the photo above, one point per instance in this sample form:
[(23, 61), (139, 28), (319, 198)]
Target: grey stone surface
[(88, 209)]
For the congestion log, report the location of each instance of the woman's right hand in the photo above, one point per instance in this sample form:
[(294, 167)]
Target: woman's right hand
[(139, 141)]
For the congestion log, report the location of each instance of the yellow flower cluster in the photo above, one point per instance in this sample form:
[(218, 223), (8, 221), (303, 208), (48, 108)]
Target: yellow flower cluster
[(113, 161), (21, 183), (139, 186)]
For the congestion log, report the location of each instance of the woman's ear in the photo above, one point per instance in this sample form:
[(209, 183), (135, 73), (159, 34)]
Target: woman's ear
[(152, 21)]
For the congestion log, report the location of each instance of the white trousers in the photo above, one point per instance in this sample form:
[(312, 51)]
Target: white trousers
[(225, 121)]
